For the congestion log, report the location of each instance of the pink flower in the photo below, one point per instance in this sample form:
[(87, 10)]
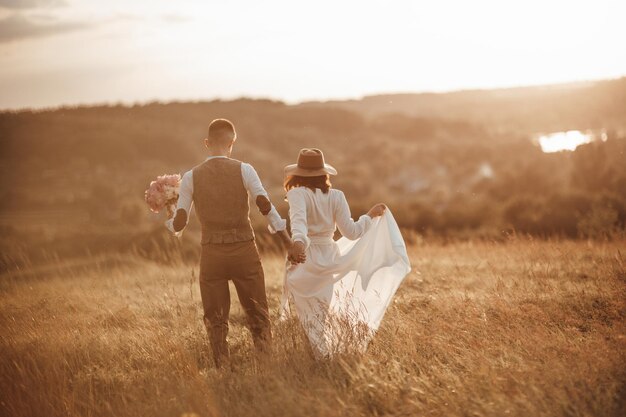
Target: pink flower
[(171, 180), (162, 192)]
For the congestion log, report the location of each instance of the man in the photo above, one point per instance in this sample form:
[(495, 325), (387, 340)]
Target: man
[(219, 189)]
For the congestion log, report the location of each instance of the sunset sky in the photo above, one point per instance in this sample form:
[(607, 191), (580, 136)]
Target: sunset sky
[(55, 52)]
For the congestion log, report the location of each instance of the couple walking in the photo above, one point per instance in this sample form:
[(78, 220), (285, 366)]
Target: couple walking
[(340, 289)]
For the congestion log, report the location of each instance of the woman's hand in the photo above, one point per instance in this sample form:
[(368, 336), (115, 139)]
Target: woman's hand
[(377, 210), (295, 254)]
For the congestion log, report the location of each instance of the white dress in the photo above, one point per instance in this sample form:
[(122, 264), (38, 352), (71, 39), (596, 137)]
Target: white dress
[(341, 292)]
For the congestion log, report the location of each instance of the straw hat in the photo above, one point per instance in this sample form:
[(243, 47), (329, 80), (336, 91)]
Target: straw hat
[(310, 164)]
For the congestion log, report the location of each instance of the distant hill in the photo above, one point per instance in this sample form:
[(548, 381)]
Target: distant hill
[(457, 163), (587, 105)]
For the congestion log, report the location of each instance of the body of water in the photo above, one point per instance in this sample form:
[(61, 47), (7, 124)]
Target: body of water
[(568, 141)]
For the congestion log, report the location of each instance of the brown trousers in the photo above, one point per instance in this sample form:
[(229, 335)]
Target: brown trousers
[(240, 263)]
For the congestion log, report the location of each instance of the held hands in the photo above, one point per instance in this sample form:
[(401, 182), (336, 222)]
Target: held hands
[(377, 210), (295, 250), (295, 253)]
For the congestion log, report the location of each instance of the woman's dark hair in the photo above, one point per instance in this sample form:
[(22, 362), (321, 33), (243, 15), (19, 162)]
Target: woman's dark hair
[(321, 181)]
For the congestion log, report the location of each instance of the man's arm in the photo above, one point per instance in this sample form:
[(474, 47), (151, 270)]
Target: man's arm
[(180, 220), (277, 225), (253, 185), (185, 200), (265, 207)]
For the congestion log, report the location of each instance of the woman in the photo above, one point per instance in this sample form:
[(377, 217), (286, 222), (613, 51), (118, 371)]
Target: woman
[(340, 289)]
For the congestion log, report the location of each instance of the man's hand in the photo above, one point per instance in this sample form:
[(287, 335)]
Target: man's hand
[(295, 254)]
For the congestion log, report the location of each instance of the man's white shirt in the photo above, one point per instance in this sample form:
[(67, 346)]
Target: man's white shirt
[(251, 182)]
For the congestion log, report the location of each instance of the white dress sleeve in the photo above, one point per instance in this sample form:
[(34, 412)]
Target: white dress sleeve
[(349, 228), (297, 215)]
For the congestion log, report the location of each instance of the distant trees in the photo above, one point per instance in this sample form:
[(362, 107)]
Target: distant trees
[(440, 176)]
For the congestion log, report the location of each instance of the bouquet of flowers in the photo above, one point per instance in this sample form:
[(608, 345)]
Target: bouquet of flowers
[(163, 193)]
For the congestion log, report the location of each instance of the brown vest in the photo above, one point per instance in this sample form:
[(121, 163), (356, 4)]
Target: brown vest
[(221, 201)]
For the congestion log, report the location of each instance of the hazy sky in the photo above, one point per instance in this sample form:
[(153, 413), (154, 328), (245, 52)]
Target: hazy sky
[(92, 51)]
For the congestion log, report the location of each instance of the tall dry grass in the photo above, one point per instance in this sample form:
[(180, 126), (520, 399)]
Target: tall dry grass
[(526, 328)]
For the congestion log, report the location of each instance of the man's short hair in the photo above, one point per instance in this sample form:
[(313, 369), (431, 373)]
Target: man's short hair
[(221, 131)]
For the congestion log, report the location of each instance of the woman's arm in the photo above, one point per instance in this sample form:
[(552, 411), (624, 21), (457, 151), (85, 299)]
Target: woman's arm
[(349, 228), (297, 215), (299, 228)]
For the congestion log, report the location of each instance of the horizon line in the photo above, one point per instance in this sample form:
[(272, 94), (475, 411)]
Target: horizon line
[(123, 103)]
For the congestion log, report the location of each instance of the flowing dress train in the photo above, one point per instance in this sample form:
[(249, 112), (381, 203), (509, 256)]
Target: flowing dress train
[(342, 291)]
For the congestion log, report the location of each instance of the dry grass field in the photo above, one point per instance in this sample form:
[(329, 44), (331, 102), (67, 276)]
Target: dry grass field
[(521, 328)]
